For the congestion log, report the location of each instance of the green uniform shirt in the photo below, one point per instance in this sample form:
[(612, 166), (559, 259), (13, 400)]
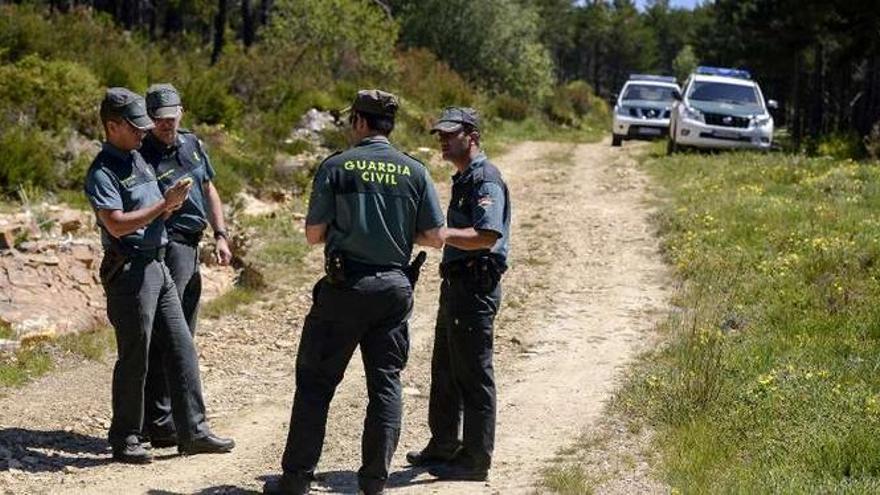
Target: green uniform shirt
[(374, 199)]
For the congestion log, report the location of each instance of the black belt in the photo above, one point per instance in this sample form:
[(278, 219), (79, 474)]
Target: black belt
[(157, 254), (355, 267), (191, 238), (465, 266)]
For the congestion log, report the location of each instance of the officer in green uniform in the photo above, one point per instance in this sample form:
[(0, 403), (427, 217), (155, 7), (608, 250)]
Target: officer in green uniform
[(175, 155), (368, 205), (129, 207), (477, 241)]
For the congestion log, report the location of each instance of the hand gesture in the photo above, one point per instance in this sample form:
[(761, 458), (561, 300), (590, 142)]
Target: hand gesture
[(222, 252), (176, 194)]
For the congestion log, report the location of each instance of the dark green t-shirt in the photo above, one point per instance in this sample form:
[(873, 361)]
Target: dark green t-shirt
[(374, 199)]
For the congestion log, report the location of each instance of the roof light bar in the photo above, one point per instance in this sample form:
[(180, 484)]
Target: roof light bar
[(723, 71), (651, 77)]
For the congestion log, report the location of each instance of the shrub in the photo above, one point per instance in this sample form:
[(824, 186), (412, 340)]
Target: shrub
[(872, 142), (51, 94), (510, 108), (430, 82), (840, 146), (208, 98), (26, 158)]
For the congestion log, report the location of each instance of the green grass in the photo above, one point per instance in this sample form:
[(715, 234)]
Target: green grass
[(35, 359), (502, 133), (767, 379), (228, 302), (568, 479)]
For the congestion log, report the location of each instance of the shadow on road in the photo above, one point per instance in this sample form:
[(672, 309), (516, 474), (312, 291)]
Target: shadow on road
[(37, 451)]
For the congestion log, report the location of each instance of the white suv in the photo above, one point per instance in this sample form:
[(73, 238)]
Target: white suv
[(721, 108), (642, 109)]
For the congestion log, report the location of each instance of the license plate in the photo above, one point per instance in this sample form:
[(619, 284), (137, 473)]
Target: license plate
[(649, 131), (727, 134)]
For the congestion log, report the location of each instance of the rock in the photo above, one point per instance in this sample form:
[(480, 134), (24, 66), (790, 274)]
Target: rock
[(70, 226), (9, 346), (69, 469), (411, 391)]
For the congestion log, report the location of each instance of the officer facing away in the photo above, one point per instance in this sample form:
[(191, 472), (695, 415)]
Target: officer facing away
[(176, 154), (129, 207), (368, 204), (474, 258)]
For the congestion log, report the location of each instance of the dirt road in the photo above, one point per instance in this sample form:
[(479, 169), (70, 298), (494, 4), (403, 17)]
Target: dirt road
[(587, 283)]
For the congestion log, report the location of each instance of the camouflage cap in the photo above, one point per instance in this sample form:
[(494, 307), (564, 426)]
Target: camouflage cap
[(126, 104), (376, 102), (453, 119), (163, 101)]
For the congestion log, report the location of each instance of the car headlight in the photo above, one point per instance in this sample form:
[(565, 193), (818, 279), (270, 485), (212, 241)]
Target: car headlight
[(692, 113), (762, 120)]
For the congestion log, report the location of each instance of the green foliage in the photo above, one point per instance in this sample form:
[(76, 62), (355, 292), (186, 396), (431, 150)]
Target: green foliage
[(841, 146), (348, 36), (26, 158), (495, 43), (424, 78), (685, 62), (228, 302), (571, 103), (510, 108), (27, 363), (766, 380), (209, 98), (49, 94)]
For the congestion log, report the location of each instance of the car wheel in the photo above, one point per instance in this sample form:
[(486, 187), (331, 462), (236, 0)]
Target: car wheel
[(616, 140)]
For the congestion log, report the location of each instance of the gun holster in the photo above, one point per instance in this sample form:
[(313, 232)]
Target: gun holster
[(414, 269), (334, 267)]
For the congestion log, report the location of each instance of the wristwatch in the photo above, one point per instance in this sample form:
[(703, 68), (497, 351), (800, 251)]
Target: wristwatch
[(220, 233)]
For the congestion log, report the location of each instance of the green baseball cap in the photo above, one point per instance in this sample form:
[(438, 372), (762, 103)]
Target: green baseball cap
[(163, 101), (376, 102), (453, 119), (125, 104)]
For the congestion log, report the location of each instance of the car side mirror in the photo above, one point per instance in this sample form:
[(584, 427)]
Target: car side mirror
[(772, 104), (676, 94)]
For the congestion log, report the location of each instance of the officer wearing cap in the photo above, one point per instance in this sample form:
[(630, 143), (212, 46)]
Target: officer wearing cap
[(474, 258), (129, 207), (368, 206), (177, 155)]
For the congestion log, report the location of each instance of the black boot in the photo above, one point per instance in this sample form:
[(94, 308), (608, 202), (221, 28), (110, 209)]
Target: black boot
[(210, 444)]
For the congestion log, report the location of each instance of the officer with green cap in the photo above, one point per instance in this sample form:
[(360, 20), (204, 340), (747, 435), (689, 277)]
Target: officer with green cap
[(130, 207), (176, 156), (477, 241), (368, 206)]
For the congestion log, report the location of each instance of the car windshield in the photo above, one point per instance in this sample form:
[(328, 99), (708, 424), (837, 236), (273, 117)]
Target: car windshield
[(648, 92), (734, 94)]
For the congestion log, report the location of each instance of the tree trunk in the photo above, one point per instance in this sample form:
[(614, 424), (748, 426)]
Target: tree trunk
[(247, 23), (219, 30)]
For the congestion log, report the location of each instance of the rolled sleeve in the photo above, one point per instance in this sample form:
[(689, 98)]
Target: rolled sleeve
[(322, 204), (488, 210), (430, 214), (103, 191)]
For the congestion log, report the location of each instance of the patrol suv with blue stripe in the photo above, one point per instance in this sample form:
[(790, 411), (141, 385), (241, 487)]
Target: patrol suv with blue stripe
[(721, 108)]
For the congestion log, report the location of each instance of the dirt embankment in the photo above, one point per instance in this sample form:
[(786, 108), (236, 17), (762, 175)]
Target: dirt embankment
[(585, 287)]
